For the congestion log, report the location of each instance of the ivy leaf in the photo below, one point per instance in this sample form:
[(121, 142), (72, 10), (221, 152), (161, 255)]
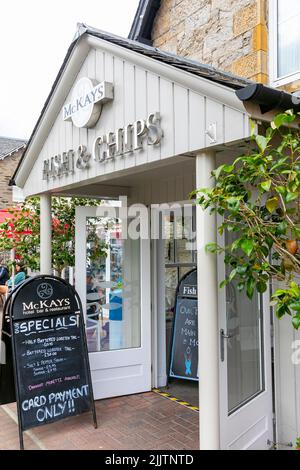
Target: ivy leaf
[(262, 142), (279, 163), (281, 190), (223, 283), (272, 204), (291, 197), (281, 228), (295, 306), (281, 119), (211, 248), (242, 269), (218, 171), (250, 287), (233, 204), (266, 185), (261, 287), (296, 321), (281, 310), (247, 246), (270, 242), (228, 168)]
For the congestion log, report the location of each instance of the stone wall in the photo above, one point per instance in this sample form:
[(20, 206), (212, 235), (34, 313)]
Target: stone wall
[(7, 168), (228, 34)]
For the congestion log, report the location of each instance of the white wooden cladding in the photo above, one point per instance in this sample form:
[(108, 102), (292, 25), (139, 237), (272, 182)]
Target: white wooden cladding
[(166, 189), (185, 116)]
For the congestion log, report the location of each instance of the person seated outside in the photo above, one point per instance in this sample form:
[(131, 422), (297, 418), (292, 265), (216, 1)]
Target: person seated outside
[(4, 275), (15, 280)]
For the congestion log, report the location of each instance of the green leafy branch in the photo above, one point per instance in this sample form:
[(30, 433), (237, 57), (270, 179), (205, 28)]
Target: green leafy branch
[(258, 200)]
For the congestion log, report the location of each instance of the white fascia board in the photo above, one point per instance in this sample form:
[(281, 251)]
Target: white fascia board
[(204, 86)]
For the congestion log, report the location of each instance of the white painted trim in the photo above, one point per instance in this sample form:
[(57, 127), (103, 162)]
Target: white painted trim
[(154, 314), (216, 92), (138, 358), (213, 90), (159, 357), (275, 80), (208, 331), (236, 424)]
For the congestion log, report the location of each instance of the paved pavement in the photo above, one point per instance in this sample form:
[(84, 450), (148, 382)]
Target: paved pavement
[(143, 421)]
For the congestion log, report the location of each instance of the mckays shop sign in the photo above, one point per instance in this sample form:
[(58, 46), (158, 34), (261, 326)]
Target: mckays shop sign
[(84, 110), (122, 141)]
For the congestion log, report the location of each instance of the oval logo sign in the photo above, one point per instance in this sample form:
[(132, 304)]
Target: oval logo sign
[(87, 98)]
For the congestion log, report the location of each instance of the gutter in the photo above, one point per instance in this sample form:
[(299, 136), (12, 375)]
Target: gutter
[(268, 98)]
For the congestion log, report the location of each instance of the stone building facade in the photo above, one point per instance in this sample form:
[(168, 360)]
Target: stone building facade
[(228, 34), (10, 153), (238, 36)]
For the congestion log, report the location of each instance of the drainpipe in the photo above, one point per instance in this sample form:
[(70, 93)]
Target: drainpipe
[(45, 234), (269, 98), (208, 312)]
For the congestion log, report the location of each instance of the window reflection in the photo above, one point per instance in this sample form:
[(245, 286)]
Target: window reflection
[(245, 374), (112, 287)]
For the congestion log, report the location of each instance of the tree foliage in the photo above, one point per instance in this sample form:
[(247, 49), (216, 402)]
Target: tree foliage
[(258, 198), (22, 231)]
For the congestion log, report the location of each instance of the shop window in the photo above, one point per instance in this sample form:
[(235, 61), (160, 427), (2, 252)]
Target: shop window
[(180, 258), (284, 41), (112, 287)]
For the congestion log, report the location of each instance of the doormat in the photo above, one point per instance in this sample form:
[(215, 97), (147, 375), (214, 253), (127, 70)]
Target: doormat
[(176, 400)]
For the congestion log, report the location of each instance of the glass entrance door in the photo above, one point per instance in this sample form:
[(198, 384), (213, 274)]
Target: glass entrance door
[(245, 368), (112, 279)]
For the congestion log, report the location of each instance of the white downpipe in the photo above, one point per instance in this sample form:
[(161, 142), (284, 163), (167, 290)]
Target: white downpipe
[(46, 235), (208, 313)]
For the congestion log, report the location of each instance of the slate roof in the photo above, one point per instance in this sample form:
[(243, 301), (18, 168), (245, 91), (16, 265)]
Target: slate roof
[(188, 65), (8, 146)]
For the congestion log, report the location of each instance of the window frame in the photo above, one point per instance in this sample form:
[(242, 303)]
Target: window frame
[(275, 80)]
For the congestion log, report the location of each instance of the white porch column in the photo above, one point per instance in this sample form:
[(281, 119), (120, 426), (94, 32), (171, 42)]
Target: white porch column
[(208, 332), (45, 235)]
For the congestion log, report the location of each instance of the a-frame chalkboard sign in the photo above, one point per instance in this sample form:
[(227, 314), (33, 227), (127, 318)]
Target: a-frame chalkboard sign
[(184, 339), (50, 356)]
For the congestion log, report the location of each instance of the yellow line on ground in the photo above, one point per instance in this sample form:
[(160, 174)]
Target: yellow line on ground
[(174, 399), (30, 434)]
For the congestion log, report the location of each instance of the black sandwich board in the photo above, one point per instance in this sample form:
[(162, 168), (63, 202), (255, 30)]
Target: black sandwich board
[(184, 339), (51, 366)]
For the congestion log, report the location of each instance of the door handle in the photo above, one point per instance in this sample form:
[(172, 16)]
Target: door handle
[(223, 336)]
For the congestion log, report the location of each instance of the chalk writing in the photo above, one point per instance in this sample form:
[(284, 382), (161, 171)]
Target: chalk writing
[(52, 366), (184, 347)]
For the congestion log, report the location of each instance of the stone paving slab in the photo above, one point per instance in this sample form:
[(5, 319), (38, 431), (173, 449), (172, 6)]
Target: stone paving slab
[(137, 422)]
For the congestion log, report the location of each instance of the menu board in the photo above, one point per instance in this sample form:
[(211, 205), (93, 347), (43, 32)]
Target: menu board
[(184, 347), (50, 355)]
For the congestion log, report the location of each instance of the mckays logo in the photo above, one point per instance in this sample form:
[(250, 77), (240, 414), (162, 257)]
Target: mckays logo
[(42, 304)]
